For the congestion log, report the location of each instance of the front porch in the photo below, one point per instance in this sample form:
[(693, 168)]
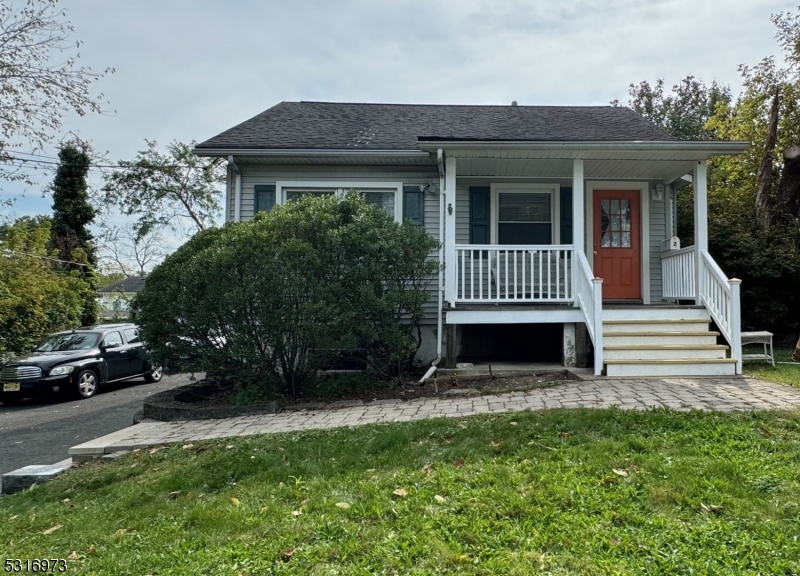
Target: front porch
[(608, 232)]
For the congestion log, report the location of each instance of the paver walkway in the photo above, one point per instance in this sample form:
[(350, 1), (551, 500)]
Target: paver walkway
[(722, 394)]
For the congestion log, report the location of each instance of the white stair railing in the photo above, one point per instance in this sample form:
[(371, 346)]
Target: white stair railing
[(720, 296), (588, 292), (677, 274)]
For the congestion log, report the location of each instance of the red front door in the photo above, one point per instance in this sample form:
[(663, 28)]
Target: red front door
[(617, 243)]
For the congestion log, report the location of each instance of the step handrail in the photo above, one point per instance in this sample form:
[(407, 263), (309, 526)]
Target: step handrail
[(588, 293), (721, 298)]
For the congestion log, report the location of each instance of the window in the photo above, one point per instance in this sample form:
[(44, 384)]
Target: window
[(297, 193), (385, 195), (132, 336), (616, 223), (524, 216), (112, 339)]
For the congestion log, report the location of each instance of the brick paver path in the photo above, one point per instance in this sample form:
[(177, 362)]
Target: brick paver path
[(722, 394)]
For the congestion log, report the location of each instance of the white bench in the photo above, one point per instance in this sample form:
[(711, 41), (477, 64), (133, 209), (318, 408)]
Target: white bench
[(764, 338)]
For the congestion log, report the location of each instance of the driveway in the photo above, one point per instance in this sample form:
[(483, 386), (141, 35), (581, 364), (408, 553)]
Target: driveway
[(41, 431)]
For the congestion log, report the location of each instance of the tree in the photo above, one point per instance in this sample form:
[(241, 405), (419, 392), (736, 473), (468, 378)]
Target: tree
[(72, 216), (130, 254), (35, 92), (38, 295), (266, 302), (175, 190)]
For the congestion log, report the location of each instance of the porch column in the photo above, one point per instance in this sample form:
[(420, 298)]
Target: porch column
[(450, 272), (578, 220), (699, 182)]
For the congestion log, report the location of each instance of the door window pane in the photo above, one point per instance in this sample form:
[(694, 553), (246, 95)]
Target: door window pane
[(615, 223)]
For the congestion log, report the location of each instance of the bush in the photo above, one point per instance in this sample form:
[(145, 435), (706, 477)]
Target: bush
[(267, 302)]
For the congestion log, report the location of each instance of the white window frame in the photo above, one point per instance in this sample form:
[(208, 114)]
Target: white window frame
[(340, 188), (527, 188)]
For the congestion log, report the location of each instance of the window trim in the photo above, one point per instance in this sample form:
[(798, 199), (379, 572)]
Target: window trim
[(340, 187), (526, 188)]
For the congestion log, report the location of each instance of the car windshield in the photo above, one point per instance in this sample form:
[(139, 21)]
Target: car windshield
[(66, 342)]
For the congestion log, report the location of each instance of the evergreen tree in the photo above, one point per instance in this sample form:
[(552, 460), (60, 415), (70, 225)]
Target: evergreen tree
[(72, 215)]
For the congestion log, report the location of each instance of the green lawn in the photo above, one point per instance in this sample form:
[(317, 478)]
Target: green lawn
[(559, 492), (781, 373)]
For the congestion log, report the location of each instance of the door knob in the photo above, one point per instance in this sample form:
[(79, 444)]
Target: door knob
[(594, 252)]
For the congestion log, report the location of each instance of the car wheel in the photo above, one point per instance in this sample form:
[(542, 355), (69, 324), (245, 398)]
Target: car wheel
[(154, 375), (86, 384)]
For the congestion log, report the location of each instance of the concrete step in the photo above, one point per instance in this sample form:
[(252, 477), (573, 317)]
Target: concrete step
[(655, 313), (657, 325), (664, 352), (687, 367), (24, 478), (688, 338)]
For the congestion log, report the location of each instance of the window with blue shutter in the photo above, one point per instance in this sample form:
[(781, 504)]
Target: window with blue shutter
[(414, 204), (479, 214), (265, 197), (566, 215)]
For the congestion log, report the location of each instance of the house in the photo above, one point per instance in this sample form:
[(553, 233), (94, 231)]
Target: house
[(558, 224), (115, 298)]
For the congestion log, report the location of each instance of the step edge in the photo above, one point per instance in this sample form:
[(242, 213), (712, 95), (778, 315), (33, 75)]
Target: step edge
[(666, 347), (660, 333), (672, 361)]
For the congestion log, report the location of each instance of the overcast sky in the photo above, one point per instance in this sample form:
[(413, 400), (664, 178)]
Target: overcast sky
[(186, 70)]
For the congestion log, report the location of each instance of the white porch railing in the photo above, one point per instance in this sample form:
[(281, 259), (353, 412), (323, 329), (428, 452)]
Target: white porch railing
[(718, 294), (487, 273), (589, 297), (721, 297), (677, 273)]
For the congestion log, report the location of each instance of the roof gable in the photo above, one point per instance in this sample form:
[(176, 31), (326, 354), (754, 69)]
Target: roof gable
[(337, 126), (129, 284)]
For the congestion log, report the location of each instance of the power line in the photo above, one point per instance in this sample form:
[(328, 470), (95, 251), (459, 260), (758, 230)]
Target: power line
[(18, 253)]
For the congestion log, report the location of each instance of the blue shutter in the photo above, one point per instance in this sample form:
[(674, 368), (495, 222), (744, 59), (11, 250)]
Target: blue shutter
[(479, 214), (566, 215), (265, 197), (414, 204)]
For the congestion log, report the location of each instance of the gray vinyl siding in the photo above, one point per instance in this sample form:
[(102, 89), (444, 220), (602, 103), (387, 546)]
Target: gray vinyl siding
[(253, 175), (658, 233)]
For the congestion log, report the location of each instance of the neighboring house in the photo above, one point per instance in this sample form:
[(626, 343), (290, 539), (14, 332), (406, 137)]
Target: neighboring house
[(558, 224), (115, 299)]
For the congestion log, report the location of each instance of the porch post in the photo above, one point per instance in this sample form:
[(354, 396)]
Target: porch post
[(450, 271), (700, 181), (578, 221)]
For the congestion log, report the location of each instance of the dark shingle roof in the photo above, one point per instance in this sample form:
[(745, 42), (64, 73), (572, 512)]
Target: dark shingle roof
[(129, 284), (325, 125)]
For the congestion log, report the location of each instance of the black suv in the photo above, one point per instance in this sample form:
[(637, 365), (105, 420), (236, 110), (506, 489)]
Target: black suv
[(78, 361)]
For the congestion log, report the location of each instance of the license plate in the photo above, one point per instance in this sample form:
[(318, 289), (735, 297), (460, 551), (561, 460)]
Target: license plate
[(11, 387)]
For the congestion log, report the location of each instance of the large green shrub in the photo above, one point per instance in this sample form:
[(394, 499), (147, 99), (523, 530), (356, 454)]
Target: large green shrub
[(266, 302)]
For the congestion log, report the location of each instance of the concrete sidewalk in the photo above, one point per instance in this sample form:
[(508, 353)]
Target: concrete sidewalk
[(720, 394)]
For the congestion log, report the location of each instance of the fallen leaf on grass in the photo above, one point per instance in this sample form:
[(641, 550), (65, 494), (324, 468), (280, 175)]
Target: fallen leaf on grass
[(496, 444), (712, 508), (428, 468), (609, 480), (174, 493), (565, 434), (619, 472), (13, 517), (53, 529), (91, 549), (459, 463), (462, 425), (296, 512), (344, 505), (287, 554), (120, 532), (186, 446), (370, 470), (402, 492), (65, 500), (448, 437), (229, 446), (73, 555), (439, 499), (304, 502), (154, 450), (235, 501), (512, 424)]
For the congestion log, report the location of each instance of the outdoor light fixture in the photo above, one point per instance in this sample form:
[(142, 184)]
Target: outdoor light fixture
[(657, 193)]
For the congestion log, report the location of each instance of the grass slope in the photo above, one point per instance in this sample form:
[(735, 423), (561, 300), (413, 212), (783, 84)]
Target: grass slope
[(558, 492)]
